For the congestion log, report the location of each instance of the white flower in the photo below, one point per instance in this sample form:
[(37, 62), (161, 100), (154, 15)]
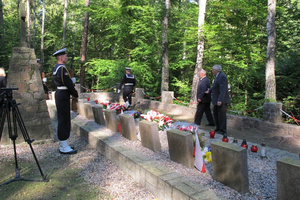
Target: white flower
[(205, 150), (203, 153), (160, 123)]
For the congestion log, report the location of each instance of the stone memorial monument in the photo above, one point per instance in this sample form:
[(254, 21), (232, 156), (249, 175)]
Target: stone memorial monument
[(24, 74)]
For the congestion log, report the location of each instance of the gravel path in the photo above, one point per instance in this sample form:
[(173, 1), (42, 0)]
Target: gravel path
[(262, 173)]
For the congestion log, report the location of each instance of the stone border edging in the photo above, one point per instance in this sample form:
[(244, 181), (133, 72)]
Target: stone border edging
[(145, 171)]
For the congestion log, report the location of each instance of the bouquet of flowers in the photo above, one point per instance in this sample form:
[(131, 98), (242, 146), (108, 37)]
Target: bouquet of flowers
[(162, 120), (206, 152), (114, 106), (105, 104), (117, 107), (192, 129)]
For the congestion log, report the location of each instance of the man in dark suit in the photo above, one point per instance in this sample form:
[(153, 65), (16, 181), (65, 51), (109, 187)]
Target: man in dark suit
[(220, 98), (203, 100)]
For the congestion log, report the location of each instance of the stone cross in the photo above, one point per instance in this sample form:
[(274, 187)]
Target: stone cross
[(22, 24)]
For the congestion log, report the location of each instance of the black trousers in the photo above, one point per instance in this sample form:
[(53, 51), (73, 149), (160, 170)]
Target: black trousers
[(203, 108), (62, 101), (127, 93), (220, 117)]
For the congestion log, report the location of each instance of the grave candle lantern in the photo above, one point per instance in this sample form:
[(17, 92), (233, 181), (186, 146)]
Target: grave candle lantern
[(244, 144), (263, 150), (235, 141), (254, 148), (212, 134), (225, 139)]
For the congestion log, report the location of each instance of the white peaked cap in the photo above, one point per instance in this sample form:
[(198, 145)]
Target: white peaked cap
[(60, 52)]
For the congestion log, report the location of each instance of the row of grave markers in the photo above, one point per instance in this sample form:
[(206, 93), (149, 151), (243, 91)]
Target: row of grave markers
[(229, 161)]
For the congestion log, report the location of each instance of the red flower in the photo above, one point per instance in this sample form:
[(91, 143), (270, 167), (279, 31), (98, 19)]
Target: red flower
[(96, 101), (88, 98)]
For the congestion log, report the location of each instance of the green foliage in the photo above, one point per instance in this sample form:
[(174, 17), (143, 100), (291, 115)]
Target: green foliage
[(104, 74), (291, 105), (128, 33), (250, 107)]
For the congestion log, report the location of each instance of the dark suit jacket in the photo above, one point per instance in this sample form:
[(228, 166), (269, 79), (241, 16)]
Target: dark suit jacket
[(203, 86), (220, 89)]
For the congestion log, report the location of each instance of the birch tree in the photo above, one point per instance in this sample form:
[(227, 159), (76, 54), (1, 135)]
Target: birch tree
[(33, 26), (270, 60), (42, 37), (65, 20), (200, 49), (165, 53)]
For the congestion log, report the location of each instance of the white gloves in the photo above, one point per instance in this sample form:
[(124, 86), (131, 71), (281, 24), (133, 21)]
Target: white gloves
[(119, 90), (73, 80)]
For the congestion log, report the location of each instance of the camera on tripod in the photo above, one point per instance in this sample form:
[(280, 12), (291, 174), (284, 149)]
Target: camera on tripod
[(7, 90), (6, 93), (11, 113)]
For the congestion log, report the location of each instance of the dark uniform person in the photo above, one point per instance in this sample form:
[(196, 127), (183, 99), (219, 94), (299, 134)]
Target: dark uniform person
[(65, 88), (129, 82)]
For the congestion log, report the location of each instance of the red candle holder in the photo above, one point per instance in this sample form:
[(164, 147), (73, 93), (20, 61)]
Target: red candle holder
[(212, 134), (244, 144), (254, 148), (225, 139)]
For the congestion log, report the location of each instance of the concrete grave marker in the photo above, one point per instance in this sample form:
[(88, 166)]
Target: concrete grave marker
[(181, 147), (149, 135), (128, 126)]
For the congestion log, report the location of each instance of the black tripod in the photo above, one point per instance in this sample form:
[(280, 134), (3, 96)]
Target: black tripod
[(8, 105)]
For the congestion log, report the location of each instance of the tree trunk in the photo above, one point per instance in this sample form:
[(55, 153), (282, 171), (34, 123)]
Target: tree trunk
[(1, 26), (270, 61), (28, 24), (2, 51), (200, 49), (84, 45), (165, 51), (42, 37), (33, 27), (65, 21)]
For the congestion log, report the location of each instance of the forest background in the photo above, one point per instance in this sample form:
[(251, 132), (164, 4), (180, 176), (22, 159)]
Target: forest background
[(128, 33)]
